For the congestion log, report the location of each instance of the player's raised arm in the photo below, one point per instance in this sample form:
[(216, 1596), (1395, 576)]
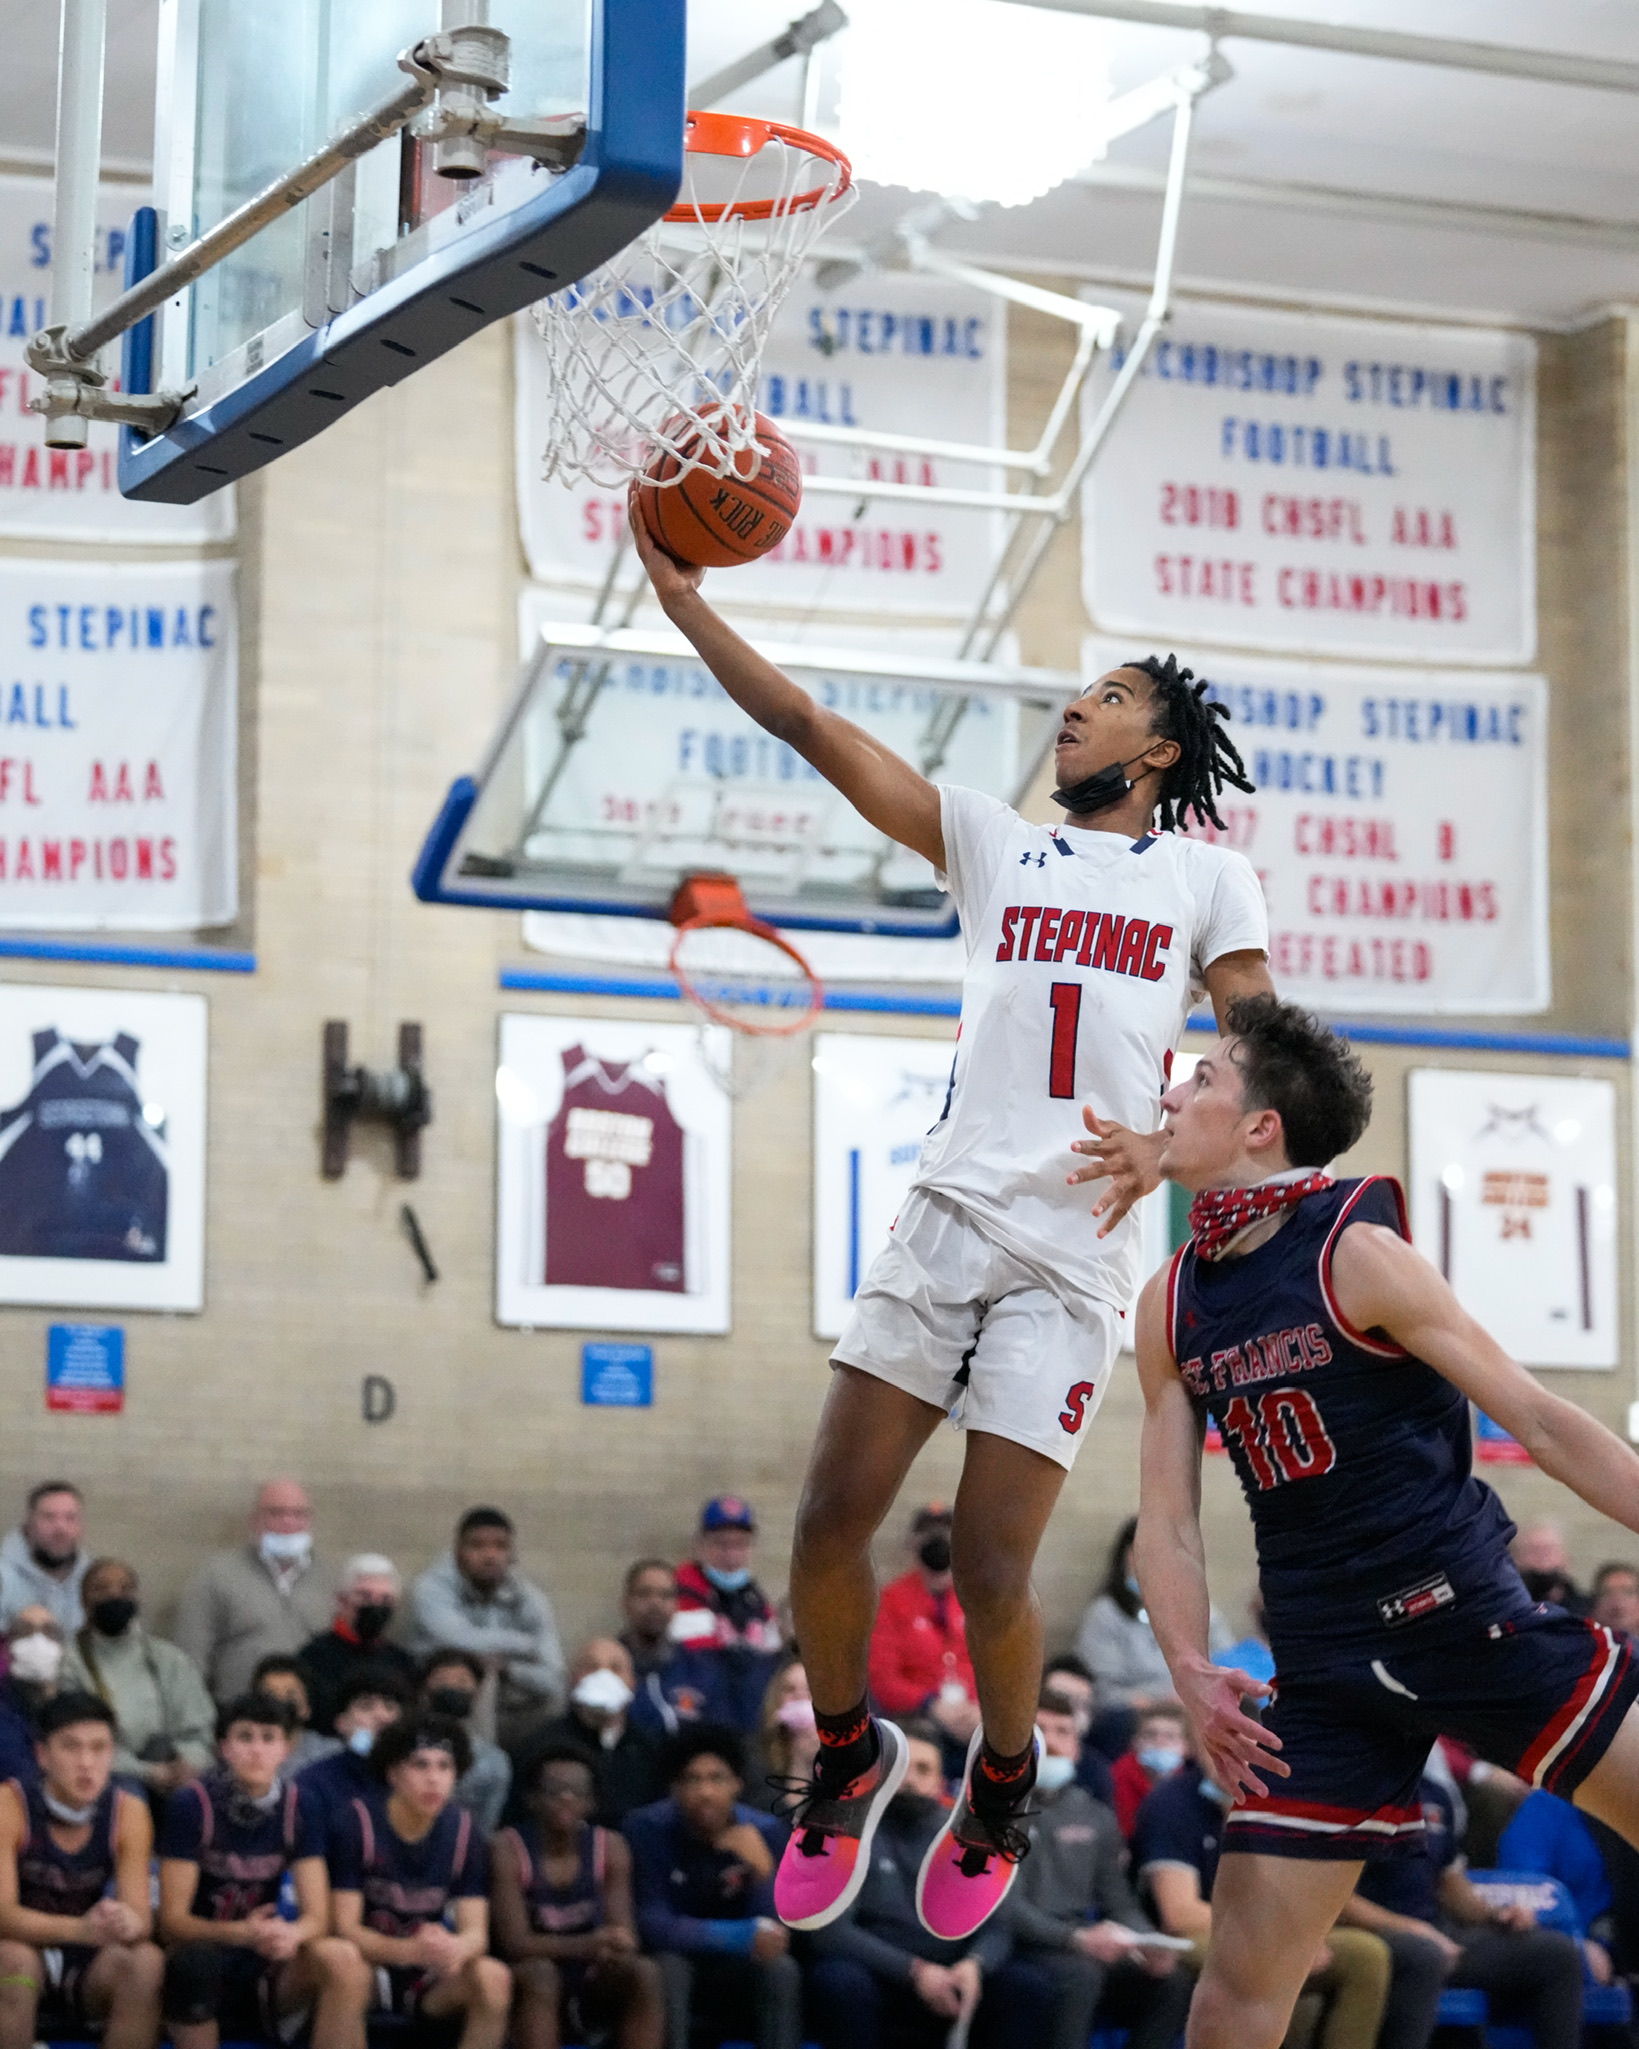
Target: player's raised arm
[(882, 787), (1234, 975), (1383, 1283), (1171, 1561)]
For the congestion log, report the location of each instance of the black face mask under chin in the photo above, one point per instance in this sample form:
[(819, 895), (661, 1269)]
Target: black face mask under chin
[(1097, 792)]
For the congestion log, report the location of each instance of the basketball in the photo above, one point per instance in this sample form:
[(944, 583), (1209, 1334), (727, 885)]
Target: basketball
[(713, 522)]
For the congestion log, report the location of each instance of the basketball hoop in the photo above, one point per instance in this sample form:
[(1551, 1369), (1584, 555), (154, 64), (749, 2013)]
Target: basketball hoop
[(659, 349), (734, 970)]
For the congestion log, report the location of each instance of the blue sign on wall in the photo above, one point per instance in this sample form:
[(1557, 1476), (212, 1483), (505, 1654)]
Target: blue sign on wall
[(85, 1367), (617, 1376)]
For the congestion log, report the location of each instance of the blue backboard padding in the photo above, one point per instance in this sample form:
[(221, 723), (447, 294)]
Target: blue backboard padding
[(629, 173), (137, 344)]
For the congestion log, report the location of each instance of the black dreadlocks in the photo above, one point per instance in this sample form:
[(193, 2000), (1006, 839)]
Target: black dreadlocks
[(1207, 759)]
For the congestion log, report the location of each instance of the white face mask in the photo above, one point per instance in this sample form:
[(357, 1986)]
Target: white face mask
[(603, 1691), (1053, 1774), (362, 1742), (36, 1659), (286, 1547)]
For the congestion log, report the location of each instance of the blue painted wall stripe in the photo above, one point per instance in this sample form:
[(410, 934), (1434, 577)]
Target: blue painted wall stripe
[(210, 959)]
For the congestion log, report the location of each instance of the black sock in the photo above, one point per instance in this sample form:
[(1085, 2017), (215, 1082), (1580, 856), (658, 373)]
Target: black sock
[(848, 1744), (1001, 1781)]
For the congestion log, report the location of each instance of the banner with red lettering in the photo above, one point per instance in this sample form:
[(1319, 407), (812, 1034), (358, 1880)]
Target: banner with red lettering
[(1317, 485), (117, 746), (1399, 827)]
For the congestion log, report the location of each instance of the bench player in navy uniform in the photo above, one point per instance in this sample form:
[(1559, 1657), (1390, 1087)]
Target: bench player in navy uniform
[(236, 1967), (561, 1901), (400, 1864), (75, 1920), (1339, 1368)]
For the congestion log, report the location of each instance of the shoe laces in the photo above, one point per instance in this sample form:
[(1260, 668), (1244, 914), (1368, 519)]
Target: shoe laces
[(981, 1838), (798, 1802)]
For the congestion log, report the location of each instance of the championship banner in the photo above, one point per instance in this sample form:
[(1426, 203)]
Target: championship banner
[(1399, 828), (895, 352), (57, 493), (1313, 485), (118, 800)]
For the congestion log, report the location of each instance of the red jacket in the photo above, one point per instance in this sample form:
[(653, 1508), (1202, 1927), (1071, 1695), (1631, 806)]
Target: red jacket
[(1131, 1782), (912, 1656)]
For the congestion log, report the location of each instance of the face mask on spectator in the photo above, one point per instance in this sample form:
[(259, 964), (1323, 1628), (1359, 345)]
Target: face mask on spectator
[(911, 1808), (1054, 1773), (603, 1691), (36, 1659), (286, 1547), (370, 1619), (1160, 1759), (114, 1616), (728, 1582), (1132, 1585), (362, 1742), (934, 1551), (1215, 1793), (796, 1715), (451, 1700)]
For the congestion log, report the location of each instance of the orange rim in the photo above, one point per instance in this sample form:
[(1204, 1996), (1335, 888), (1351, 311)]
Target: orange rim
[(737, 135), (785, 1027)]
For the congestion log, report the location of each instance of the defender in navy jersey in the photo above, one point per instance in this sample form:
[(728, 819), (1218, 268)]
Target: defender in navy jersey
[(75, 1923), (1339, 1368), (232, 1846)]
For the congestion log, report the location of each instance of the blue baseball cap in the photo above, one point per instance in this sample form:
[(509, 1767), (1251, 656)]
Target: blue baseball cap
[(727, 1512)]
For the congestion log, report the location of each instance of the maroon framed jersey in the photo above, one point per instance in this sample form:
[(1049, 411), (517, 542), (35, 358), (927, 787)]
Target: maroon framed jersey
[(616, 1188)]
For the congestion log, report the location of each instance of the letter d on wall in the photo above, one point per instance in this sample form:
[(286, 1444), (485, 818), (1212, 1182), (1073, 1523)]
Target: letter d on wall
[(379, 1398)]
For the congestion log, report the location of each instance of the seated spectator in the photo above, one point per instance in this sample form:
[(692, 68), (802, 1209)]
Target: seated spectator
[(648, 1601), (561, 1907), (285, 1678), (1544, 1562), (41, 1562), (1074, 1914), (163, 1716), (1067, 1676), (475, 1599), (1443, 1932), (787, 1740), (1549, 1836), (1175, 1852), (723, 1617), (367, 1597), (703, 1887), (228, 1844), (1159, 1746), (371, 1701), (450, 1683), (919, 1662), (403, 1866), (597, 1720), (34, 1654), (269, 1594), (1616, 1598), (1118, 1646), (674, 1685), (878, 1976), (75, 1922)]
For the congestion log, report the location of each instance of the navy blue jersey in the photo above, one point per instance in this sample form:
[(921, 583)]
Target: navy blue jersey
[(1355, 1457), (243, 1851), (83, 1172), (333, 1783), (407, 1884), (573, 1909), (52, 1880)]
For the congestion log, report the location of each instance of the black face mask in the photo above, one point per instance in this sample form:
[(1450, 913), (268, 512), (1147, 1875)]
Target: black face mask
[(1097, 792), (112, 1617), (1543, 1586), (934, 1551), (450, 1700), (908, 1810), (370, 1620)]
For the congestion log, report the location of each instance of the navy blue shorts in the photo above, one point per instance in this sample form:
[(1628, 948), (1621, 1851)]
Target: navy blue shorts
[(1542, 1696)]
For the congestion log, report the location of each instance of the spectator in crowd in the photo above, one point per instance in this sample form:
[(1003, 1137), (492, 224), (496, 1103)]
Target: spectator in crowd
[(1175, 1852), (1443, 1931), (919, 1662), (1550, 1836), (269, 1594), (703, 1886), (228, 1844), (34, 1654), (284, 1677), (724, 1619), (163, 1716), (1159, 1746), (674, 1686), (787, 1740), (1074, 1914), (1544, 1562), (41, 1562), (561, 1908), (648, 1601), (450, 1684), (75, 1919), (1616, 1598), (1068, 1677), (878, 1976), (371, 1701), (1118, 1646), (597, 1719), (367, 1598), (475, 1599), (409, 1877)]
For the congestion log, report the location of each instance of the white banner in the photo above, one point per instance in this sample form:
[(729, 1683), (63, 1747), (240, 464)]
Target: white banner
[(118, 806), (1399, 828), (894, 352), (71, 494), (1316, 485)]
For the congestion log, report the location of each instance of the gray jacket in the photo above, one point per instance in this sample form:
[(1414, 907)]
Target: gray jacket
[(234, 1613), (483, 1790), (154, 1690), (1122, 1654), (1075, 1873), (23, 1584), (515, 1623)]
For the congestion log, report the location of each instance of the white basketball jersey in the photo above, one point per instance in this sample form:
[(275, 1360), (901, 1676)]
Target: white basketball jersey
[(1085, 952)]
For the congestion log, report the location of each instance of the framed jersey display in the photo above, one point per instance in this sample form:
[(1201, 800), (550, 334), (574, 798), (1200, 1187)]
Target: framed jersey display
[(1513, 1197), (613, 1167), (102, 1148), (875, 1100)]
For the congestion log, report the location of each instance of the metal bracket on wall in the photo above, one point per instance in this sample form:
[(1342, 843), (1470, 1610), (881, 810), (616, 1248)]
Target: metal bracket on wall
[(398, 1096)]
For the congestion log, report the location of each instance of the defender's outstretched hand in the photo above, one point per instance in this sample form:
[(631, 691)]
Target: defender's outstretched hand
[(1130, 1160), (1236, 1747), (671, 578)]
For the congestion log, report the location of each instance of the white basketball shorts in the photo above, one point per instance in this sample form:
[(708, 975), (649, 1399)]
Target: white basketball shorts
[(960, 1323)]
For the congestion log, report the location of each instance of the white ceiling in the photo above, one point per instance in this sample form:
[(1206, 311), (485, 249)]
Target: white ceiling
[(1290, 117)]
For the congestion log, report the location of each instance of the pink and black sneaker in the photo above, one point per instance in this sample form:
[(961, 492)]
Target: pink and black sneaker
[(972, 1862), (829, 1853)]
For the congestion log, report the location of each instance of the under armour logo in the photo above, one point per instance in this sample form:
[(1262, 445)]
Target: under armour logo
[(1027, 857)]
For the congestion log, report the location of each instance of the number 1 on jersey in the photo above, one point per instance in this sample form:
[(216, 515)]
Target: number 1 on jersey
[(1065, 998)]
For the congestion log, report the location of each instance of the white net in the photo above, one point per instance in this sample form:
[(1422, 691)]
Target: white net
[(658, 350)]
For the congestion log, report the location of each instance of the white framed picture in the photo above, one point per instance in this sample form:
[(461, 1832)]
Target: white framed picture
[(1513, 1197), (613, 1175), (102, 1147)]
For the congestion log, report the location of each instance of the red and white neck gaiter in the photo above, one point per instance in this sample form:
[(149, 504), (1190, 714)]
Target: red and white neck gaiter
[(1217, 1216)]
